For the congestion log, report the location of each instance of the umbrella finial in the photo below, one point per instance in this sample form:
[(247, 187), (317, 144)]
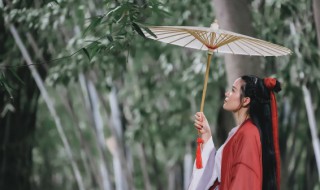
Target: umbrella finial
[(214, 25)]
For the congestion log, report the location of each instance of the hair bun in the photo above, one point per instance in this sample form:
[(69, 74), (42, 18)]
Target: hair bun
[(277, 88), (272, 84)]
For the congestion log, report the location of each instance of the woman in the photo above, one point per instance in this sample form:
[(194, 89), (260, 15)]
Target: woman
[(249, 159)]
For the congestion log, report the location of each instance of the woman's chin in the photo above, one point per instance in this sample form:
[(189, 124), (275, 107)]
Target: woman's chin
[(225, 107)]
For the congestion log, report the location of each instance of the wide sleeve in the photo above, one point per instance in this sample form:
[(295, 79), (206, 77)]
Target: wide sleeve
[(200, 176), (246, 170)]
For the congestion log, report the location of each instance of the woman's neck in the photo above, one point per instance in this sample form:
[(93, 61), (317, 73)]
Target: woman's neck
[(241, 115)]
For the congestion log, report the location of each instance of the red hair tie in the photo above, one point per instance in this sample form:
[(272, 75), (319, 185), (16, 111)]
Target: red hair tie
[(270, 83)]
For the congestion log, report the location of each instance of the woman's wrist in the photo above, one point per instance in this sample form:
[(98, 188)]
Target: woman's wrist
[(206, 137)]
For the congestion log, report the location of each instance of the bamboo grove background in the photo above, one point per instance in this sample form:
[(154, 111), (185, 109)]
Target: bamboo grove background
[(100, 107)]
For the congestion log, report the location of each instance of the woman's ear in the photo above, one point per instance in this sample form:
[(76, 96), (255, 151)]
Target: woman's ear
[(246, 101)]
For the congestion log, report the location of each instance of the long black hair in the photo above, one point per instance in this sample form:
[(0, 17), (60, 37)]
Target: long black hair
[(260, 114)]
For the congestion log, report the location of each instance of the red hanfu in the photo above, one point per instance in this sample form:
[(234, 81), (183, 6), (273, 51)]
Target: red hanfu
[(242, 160)]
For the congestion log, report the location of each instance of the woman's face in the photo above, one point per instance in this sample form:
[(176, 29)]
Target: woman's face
[(232, 100)]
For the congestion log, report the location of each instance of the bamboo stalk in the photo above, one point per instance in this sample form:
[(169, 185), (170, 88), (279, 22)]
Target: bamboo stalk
[(49, 103), (144, 166), (91, 103), (312, 125), (122, 171), (86, 154), (115, 125)]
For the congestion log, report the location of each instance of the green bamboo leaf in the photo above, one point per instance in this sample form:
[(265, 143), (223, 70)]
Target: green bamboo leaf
[(95, 22), (113, 10), (146, 29), (16, 76), (109, 37), (7, 88), (95, 50), (87, 53), (120, 37), (138, 30)]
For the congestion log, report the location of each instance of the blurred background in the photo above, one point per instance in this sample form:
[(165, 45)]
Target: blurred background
[(87, 102)]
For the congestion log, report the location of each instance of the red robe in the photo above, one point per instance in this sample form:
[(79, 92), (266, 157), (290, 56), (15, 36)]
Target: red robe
[(242, 160)]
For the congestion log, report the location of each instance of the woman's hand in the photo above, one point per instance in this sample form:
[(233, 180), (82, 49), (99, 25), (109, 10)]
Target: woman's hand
[(202, 125)]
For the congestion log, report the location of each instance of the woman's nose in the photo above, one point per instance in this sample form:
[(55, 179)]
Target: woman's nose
[(226, 93)]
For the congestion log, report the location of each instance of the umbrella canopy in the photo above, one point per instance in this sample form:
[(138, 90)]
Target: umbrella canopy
[(215, 40)]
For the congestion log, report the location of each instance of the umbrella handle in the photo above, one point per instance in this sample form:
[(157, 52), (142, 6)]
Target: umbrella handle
[(204, 91)]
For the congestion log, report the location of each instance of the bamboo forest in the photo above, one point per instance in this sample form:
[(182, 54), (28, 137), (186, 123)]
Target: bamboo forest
[(88, 102)]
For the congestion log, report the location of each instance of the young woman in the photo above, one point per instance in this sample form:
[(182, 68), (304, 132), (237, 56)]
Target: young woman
[(249, 159)]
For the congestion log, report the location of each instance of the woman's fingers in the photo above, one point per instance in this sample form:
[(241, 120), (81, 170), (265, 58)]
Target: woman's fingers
[(198, 125), (198, 122), (201, 130), (196, 117), (200, 116), (201, 123)]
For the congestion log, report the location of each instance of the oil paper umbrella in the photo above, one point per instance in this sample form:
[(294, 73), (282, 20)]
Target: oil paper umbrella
[(213, 40)]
